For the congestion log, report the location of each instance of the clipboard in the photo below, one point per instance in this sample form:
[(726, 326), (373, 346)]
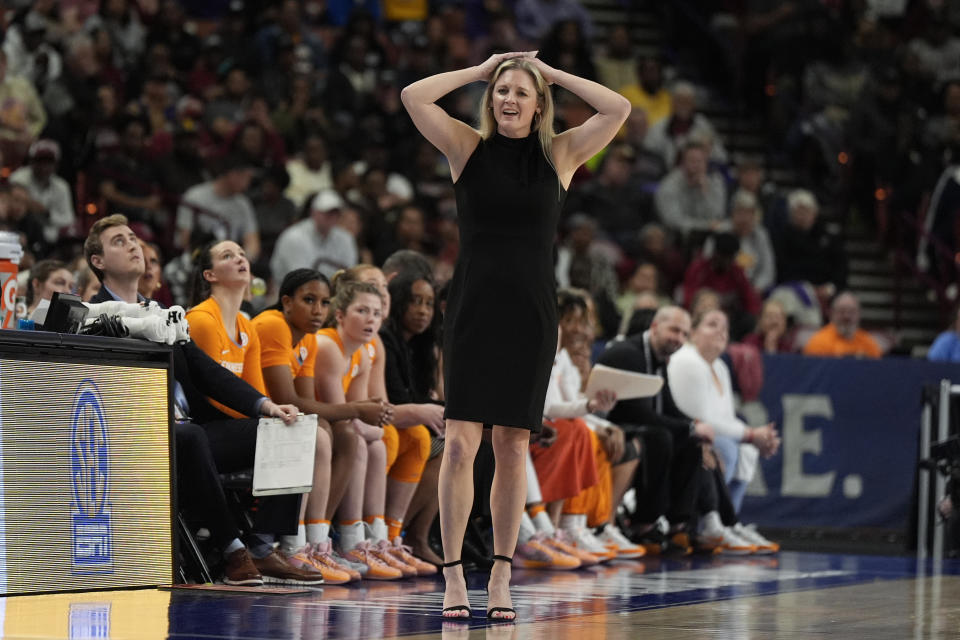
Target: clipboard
[(628, 385), (283, 460)]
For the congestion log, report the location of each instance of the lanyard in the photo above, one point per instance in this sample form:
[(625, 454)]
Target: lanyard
[(648, 354)]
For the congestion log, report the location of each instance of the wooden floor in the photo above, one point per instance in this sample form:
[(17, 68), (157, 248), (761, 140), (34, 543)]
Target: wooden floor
[(791, 596)]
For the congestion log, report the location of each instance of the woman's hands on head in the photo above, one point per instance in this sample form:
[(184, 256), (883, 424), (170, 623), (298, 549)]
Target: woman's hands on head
[(545, 70), (486, 68)]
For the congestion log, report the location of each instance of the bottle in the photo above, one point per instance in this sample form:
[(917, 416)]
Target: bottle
[(258, 287)]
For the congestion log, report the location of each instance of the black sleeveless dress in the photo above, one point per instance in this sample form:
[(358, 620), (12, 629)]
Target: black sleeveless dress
[(500, 327)]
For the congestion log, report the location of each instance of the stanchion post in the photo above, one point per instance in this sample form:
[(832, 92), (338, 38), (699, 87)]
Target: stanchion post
[(943, 428), (923, 477)]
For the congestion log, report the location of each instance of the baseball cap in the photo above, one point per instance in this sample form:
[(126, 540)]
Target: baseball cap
[(45, 149), (326, 200)]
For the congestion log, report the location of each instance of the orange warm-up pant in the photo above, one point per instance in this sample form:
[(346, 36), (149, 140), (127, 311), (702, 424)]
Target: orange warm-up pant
[(596, 501), (568, 466), (407, 452)]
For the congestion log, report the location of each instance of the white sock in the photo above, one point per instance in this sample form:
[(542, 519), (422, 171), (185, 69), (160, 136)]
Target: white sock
[(233, 546), (318, 533), (710, 522), (527, 529), (573, 522), (350, 535), (378, 530), (544, 524), (292, 544)]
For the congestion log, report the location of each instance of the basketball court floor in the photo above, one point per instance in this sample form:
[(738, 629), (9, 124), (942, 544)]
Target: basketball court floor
[(792, 595)]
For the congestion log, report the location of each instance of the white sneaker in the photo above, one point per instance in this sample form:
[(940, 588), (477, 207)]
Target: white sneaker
[(713, 535), (583, 539), (751, 535), (612, 537), (734, 545)]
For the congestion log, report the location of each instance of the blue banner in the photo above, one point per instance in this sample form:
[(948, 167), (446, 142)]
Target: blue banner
[(850, 432)]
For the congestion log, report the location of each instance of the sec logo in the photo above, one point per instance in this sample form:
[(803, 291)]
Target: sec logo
[(90, 464), (90, 475)]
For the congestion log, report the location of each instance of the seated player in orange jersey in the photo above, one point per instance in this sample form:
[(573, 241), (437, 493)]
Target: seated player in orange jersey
[(288, 354), (406, 438)]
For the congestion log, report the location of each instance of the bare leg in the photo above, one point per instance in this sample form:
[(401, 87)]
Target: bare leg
[(315, 506), (456, 500), (399, 496), (507, 497), (555, 510), (422, 511), (375, 484), (622, 479), (345, 443), (351, 506)]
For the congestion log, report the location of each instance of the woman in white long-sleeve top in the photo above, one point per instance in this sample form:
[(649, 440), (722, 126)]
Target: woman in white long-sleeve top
[(701, 386)]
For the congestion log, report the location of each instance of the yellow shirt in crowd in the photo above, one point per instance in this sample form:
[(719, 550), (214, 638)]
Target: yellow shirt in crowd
[(658, 106)]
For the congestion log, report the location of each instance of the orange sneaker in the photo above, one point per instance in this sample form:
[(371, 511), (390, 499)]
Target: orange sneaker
[(405, 555), (561, 542), (536, 554), (383, 550), (322, 553), (326, 564), (681, 544), (364, 553), (305, 560)]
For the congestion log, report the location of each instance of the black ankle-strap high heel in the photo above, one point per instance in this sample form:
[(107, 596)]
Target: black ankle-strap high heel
[(461, 611), (502, 614)]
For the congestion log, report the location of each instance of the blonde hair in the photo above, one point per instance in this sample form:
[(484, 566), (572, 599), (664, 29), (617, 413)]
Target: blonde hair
[(346, 293), (350, 274), (543, 126)]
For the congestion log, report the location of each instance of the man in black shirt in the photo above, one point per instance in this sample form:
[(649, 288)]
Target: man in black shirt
[(671, 441), (205, 436)]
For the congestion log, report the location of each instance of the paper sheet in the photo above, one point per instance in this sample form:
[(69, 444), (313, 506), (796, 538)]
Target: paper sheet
[(283, 461), (626, 384)]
